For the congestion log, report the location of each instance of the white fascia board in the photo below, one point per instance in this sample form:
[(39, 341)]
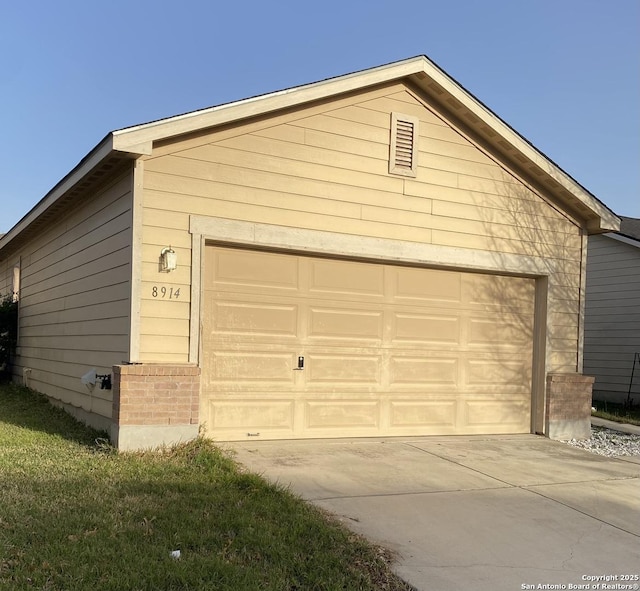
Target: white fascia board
[(263, 104), (608, 220), (625, 239), (139, 149)]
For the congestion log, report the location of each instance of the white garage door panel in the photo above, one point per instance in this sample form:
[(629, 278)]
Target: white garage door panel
[(388, 350), (442, 287), (340, 370), (254, 318), (506, 330), (252, 271), (438, 414), (420, 373), (514, 375), (494, 416), (257, 416), (344, 323), (328, 278), (327, 415), (424, 328), (237, 367)]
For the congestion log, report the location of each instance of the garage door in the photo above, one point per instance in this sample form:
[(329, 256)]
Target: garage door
[(303, 347)]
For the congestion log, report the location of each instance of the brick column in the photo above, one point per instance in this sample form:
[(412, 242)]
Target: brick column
[(568, 406), (154, 404)]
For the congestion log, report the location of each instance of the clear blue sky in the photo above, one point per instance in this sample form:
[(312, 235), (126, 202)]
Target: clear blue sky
[(564, 73)]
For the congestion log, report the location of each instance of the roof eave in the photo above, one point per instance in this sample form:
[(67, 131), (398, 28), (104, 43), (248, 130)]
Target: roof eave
[(431, 79), (105, 150), (266, 103), (134, 141), (625, 239)]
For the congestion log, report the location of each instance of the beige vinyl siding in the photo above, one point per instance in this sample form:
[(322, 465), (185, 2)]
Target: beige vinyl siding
[(325, 167), (75, 300), (612, 316), (164, 321)]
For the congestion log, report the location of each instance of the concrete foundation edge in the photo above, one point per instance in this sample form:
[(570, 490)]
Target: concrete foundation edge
[(137, 437), (569, 429)]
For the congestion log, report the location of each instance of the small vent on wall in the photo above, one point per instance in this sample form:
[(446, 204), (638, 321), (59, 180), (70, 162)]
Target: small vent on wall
[(403, 150)]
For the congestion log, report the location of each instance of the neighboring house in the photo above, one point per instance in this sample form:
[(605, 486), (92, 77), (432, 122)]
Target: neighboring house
[(612, 312), (376, 254)]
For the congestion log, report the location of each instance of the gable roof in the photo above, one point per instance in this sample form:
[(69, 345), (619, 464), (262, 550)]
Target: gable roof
[(420, 72)]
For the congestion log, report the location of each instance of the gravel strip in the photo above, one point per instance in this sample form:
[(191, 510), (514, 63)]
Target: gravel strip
[(606, 442)]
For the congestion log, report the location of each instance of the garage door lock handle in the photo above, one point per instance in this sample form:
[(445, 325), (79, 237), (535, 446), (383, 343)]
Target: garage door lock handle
[(300, 363)]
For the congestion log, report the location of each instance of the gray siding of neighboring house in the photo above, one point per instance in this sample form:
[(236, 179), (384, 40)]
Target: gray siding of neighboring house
[(612, 316)]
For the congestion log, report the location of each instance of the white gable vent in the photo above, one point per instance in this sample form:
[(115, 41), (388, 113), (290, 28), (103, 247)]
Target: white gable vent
[(404, 145)]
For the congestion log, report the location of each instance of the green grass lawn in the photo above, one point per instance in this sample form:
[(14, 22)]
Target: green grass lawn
[(75, 515), (617, 412)]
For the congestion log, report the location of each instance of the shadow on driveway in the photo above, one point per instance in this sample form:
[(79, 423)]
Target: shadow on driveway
[(476, 512)]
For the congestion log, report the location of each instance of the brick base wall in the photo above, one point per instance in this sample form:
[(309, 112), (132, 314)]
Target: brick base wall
[(152, 403), (568, 406)]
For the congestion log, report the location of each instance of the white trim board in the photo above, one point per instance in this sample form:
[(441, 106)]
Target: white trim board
[(325, 243), (625, 239)]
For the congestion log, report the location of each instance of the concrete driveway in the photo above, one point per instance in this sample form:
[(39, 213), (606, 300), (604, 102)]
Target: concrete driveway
[(494, 513)]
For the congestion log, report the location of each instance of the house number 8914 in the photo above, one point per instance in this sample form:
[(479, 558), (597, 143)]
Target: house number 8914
[(168, 293)]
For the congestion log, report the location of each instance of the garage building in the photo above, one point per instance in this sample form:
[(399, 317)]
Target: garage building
[(376, 254)]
